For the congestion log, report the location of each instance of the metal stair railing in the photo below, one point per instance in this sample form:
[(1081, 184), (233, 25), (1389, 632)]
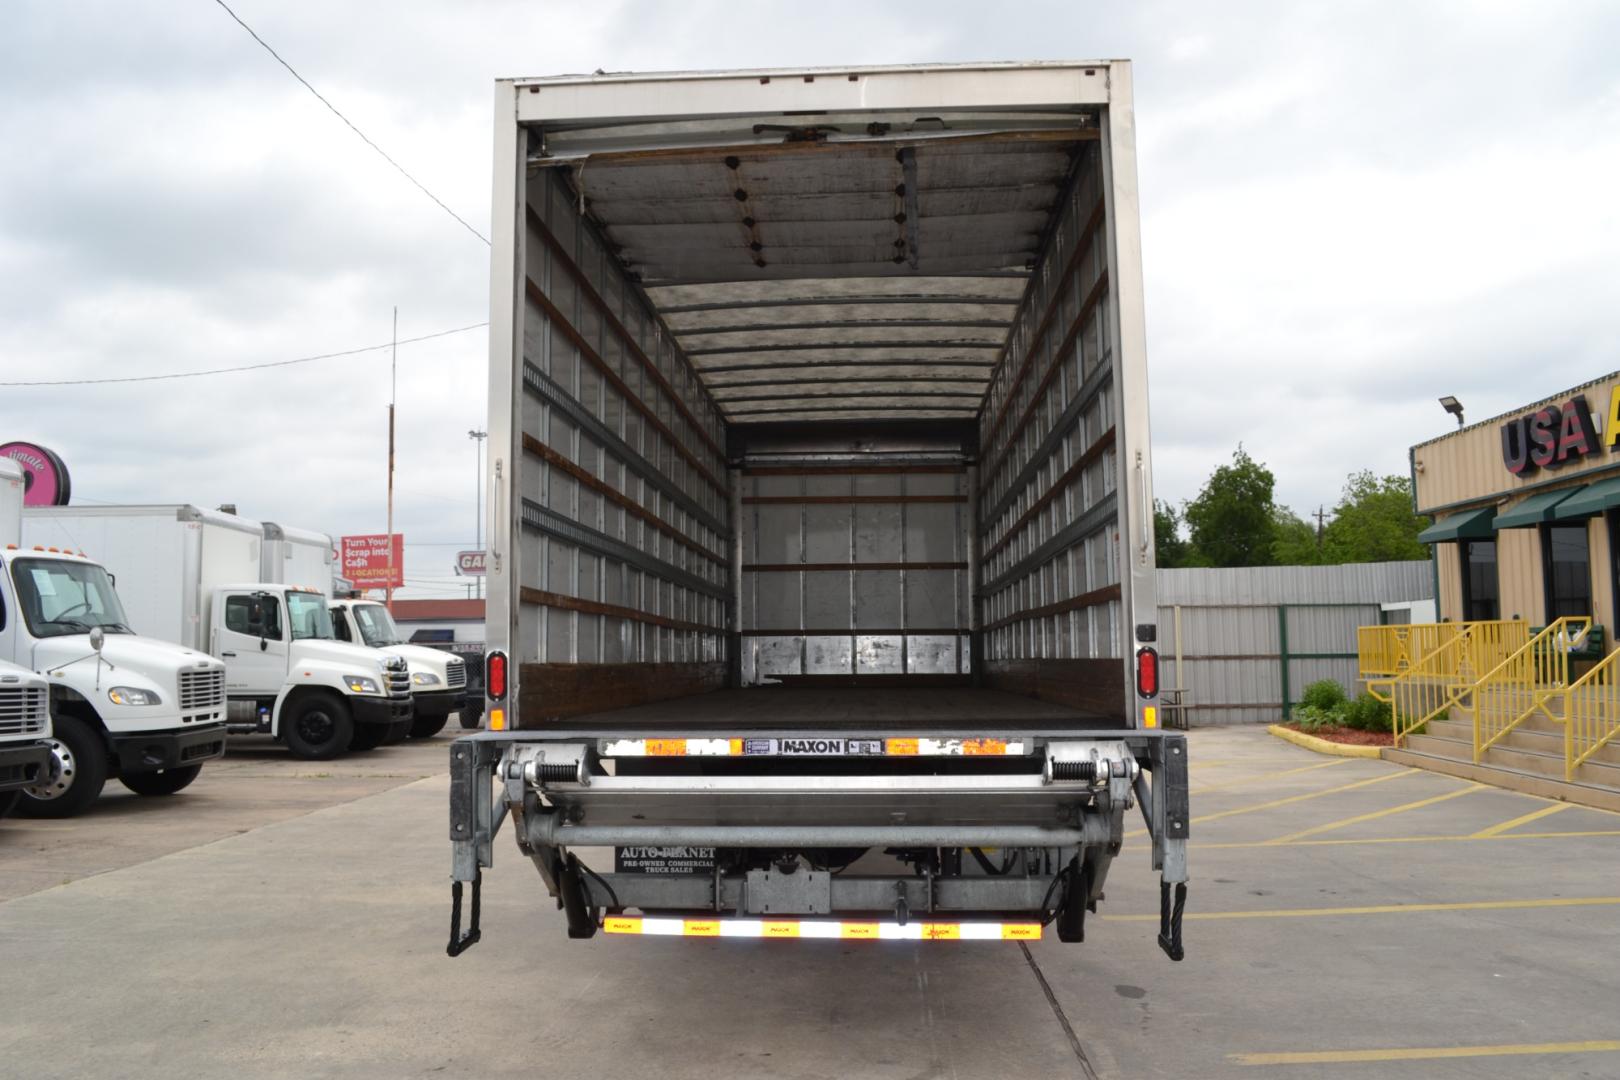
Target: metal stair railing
[(1389, 651), (1590, 713), (1434, 682), (1520, 686)]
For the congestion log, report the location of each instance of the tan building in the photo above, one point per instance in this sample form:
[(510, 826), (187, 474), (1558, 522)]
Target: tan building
[(1527, 509)]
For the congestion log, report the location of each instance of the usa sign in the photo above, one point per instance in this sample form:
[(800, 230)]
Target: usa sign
[(365, 561)]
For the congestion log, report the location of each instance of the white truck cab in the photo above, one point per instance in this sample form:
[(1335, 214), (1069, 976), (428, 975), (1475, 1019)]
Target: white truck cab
[(438, 679), (25, 727)]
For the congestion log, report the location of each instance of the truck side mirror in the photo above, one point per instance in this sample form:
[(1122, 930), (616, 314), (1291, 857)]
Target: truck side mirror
[(98, 638)]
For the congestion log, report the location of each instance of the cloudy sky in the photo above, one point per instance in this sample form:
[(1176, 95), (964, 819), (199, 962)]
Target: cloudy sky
[(1349, 210)]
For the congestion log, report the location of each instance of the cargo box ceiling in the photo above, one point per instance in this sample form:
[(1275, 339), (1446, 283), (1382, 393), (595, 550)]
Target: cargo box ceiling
[(827, 265)]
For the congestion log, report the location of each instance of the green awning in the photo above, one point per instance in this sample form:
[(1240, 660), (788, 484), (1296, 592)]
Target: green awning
[(1534, 510), (1467, 525), (1589, 500)]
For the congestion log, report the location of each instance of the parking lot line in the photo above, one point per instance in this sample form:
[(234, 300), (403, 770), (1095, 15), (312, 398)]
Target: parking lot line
[(1387, 909), (1268, 777), (1523, 819), (1405, 839), (1425, 1053), (1375, 815)]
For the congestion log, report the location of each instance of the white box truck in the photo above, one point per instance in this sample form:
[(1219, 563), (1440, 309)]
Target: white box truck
[(820, 573), (438, 681), (137, 708), (25, 731), (192, 576)]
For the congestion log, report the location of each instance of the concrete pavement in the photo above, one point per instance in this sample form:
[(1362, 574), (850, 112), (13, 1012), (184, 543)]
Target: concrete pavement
[(312, 944)]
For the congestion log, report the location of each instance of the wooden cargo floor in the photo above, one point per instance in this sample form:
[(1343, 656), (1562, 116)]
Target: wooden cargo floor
[(847, 708)]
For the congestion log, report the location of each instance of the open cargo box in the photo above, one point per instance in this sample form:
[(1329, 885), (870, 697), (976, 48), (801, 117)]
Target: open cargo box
[(813, 394)]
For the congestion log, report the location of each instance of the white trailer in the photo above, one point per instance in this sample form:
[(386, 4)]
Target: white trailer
[(820, 573), (193, 576), (122, 705)]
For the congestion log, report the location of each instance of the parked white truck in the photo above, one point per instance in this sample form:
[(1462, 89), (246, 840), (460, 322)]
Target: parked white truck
[(25, 731), (302, 557), (126, 706), (192, 576), (438, 678), (820, 573)]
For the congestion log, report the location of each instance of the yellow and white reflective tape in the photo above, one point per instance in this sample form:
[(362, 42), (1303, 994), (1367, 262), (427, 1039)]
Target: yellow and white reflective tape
[(814, 746), (821, 928)]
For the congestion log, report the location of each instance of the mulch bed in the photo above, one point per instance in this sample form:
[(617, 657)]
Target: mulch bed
[(1348, 736)]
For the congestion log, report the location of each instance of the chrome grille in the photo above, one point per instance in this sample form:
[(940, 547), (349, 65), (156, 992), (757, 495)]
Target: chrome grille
[(455, 676), (202, 689), (23, 710), (399, 677)]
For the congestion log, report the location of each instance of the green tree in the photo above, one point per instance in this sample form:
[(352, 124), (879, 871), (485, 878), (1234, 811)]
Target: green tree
[(1374, 522), (1295, 543), (1170, 547), (1233, 521)]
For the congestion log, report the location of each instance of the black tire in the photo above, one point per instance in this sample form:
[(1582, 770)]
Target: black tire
[(427, 725), (398, 732), (8, 799), (78, 772), (471, 718), (318, 727), (369, 736), (167, 782)]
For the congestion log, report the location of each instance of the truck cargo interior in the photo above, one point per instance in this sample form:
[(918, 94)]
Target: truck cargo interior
[(820, 405)]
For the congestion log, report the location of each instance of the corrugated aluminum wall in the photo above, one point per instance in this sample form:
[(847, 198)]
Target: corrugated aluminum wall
[(1238, 624)]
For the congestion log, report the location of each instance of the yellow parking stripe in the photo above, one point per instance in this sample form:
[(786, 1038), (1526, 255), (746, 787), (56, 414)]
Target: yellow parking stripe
[(1425, 1053), (1404, 839), (1525, 819), (1290, 799), (1386, 909), (1265, 778), (1376, 814)]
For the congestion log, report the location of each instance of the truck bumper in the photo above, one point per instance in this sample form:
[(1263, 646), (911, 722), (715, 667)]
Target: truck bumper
[(22, 763), (382, 710), (149, 751), (437, 702)]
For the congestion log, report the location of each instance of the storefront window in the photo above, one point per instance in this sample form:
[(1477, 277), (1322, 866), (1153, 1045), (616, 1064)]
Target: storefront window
[(1566, 559), (1480, 596)]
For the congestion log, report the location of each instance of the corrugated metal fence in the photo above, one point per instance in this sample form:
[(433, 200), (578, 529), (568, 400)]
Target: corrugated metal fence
[(1243, 643)]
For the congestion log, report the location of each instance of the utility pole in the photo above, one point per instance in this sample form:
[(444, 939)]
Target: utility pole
[(393, 393), (478, 438), (1321, 513)]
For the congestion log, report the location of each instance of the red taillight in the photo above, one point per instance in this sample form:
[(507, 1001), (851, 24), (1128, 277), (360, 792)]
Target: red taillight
[(495, 676), (1147, 672)]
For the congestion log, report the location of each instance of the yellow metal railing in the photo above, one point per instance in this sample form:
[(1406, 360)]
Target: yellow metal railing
[(1590, 713), (1428, 688), (1385, 652), (1521, 685)]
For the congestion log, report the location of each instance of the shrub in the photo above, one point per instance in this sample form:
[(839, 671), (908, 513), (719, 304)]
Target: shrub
[(1324, 694), (1311, 718), (1367, 713)]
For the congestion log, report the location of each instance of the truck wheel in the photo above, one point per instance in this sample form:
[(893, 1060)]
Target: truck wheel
[(471, 718), (8, 799), (75, 776), (166, 782), (319, 728), (427, 725), (398, 732)]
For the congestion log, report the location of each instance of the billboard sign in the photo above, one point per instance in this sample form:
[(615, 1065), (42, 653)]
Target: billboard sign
[(45, 476), (470, 563), (365, 561)]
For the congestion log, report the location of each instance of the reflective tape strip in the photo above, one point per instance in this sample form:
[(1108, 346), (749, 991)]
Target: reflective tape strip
[(901, 747), (820, 928)]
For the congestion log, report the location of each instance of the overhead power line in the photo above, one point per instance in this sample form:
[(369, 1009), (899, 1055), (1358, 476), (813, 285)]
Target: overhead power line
[(319, 97), (244, 367)]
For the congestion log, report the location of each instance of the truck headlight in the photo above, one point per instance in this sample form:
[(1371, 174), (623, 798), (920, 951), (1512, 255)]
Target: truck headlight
[(132, 695), (426, 678), (361, 684)]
